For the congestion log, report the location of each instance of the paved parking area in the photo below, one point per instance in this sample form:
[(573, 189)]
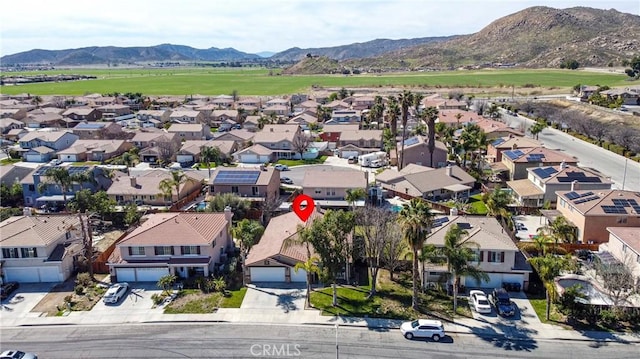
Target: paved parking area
[(25, 298), (532, 223), (284, 297), (137, 301)]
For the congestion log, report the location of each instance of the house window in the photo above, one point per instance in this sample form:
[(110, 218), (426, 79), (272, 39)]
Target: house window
[(318, 191), (152, 198), (29, 252), (164, 250), (495, 257), (10, 253), (136, 251), (234, 189), (32, 188), (255, 190), (190, 250), (214, 244)]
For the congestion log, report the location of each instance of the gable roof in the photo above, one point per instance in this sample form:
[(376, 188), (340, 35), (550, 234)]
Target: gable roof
[(186, 127), (597, 202), (366, 135), (485, 231), (81, 146), (629, 235), (147, 183), (48, 136), (263, 178), (567, 174), (333, 178), (514, 142), (537, 155), (23, 231), (177, 229)]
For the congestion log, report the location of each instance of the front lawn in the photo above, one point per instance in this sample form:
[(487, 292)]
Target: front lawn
[(194, 301), (8, 161), (477, 206), (393, 300), (292, 163), (234, 298)]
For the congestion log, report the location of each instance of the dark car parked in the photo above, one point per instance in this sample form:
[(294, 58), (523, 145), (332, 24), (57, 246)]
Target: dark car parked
[(502, 302), (7, 289)]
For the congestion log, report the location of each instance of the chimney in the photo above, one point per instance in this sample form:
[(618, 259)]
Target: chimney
[(449, 170), (228, 214), (563, 165), (134, 182), (574, 185)]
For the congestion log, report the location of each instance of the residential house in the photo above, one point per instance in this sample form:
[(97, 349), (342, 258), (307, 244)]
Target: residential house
[(416, 151), (629, 95), (187, 116), (495, 148), (280, 139), (83, 114), (222, 101), (155, 146), (39, 249), (114, 110), (591, 212), (278, 102), (363, 102), (517, 161), (277, 110), (15, 134), (182, 244), (496, 254), (306, 105), (586, 92), (150, 139), (415, 181), (44, 120), (543, 182), (14, 113), (253, 184), (190, 131), (224, 119), (8, 124), (496, 129), (143, 188), (337, 105), (331, 133), (304, 121), (442, 104), (457, 118), (624, 246), (35, 195), (275, 256), (94, 150), (243, 137), (13, 173), (189, 153), (247, 103), (359, 142), (255, 154), (328, 187), (251, 123), (345, 116), (53, 140), (161, 116), (103, 100), (99, 131)]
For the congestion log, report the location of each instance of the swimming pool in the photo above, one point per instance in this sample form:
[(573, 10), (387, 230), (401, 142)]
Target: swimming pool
[(594, 295), (396, 208), (201, 206)]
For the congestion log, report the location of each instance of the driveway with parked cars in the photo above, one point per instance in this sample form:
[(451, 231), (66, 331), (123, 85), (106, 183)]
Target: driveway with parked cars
[(524, 321), (20, 303), (136, 300)]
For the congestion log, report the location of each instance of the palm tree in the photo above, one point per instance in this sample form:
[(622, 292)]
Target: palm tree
[(83, 177), (415, 219), (459, 252), (59, 176), (129, 159), (549, 267), (539, 244), (304, 238), (208, 155), (310, 266), (563, 230), (36, 100), (406, 100), (176, 180), (354, 195), (393, 112), (166, 190), (431, 115)]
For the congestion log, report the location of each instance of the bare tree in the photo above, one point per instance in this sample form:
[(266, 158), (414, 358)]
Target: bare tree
[(269, 206), (300, 144), (618, 281), (375, 223), (624, 136), (167, 149), (394, 247)]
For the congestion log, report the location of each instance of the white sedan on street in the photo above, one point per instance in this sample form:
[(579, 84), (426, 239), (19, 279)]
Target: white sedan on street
[(115, 292), (479, 301)]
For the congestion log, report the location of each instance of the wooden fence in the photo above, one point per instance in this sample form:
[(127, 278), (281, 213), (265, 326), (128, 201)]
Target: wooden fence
[(100, 263)]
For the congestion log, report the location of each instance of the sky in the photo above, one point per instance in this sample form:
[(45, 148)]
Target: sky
[(252, 26)]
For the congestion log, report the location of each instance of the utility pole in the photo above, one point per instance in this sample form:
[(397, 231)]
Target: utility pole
[(337, 353)]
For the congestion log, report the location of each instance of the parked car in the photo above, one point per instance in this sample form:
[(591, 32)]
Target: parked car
[(17, 354), (520, 226), (479, 301), (502, 302), (352, 159), (423, 328), (115, 292), (7, 289), (286, 180), (280, 167)]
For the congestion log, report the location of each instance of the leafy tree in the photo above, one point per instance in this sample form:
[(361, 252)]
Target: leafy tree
[(301, 143), (11, 195), (131, 214), (165, 282), (248, 233), (354, 195), (177, 179), (59, 176), (415, 220), (343, 93), (239, 207), (330, 239), (549, 267), (634, 71), (210, 155), (537, 127), (220, 285), (496, 200), (571, 64), (459, 253)]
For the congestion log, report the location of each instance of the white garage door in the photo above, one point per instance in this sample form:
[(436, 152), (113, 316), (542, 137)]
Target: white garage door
[(126, 274), (347, 154), (150, 274), (495, 281), (267, 274), (300, 276), (22, 275), (50, 275)]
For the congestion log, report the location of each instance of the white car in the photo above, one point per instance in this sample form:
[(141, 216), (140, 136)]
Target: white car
[(479, 301), (423, 328), (115, 292), (280, 167)]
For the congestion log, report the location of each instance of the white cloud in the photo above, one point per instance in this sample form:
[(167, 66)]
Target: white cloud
[(253, 25)]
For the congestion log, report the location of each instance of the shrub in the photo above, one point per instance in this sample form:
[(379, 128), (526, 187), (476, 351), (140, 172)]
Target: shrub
[(157, 298), (79, 290), (84, 279)]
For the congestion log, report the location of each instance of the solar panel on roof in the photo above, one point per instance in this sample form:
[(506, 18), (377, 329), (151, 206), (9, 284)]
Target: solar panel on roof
[(636, 208), (237, 177), (586, 194), (540, 172), (572, 195), (514, 154), (621, 202), (614, 210), (497, 142), (632, 202)]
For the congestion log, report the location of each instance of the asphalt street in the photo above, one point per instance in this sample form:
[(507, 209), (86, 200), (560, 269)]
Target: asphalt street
[(589, 155), (222, 340)]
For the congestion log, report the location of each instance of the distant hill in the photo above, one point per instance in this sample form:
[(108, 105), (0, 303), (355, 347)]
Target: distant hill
[(356, 51), (265, 54), (112, 54)]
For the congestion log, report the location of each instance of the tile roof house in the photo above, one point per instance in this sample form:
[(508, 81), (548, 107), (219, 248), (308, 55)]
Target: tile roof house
[(83, 114), (328, 187), (345, 116), (543, 182), (415, 181), (182, 244), (416, 151), (279, 139), (189, 153), (303, 120), (273, 259), (7, 124), (98, 130), (94, 150), (160, 115), (54, 140), (255, 154), (517, 161), (39, 248), (14, 113), (497, 255), (624, 245), (331, 133), (495, 129), (253, 184), (495, 148), (593, 211), (12, 173), (218, 117), (44, 120), (187, 116), (190, 131), (144, 188), (35, 195)]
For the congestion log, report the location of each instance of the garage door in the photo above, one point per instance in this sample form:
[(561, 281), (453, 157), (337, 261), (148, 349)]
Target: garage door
[(495, 281), (150, 274), (267, 274), (126, 274), (300, 276), (50, 275), (22, 275), (347, 154)]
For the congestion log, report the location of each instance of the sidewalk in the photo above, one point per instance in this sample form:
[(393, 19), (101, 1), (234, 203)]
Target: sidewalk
[(463, 326)]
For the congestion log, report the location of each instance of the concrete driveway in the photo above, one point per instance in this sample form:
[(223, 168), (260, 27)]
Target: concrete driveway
[(284, 297), (137, 301), (25, 298)]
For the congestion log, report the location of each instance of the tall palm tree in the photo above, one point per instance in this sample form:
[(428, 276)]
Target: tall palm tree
[(354, 195), (431, 115), (549, 267), (304, 238), (415, 220), (176, 180), (406, 100), (393, 112), (82, 177), (166, 190), (208, 155), (310, 266), (459, 252), (563, 230), (59, 176)]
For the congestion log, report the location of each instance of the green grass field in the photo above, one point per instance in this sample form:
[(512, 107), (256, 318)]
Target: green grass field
[(247, 82)]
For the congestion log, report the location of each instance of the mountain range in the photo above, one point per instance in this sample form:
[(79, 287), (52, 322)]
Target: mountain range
[(534, 37)]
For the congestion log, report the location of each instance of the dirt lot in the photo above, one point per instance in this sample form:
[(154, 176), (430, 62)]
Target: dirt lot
[(55, 298), (599, 113)]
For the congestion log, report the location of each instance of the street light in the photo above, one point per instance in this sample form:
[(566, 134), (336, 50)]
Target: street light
[(337, 354)]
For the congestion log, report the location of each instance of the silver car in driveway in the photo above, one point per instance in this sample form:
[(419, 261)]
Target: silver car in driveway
[(17, 354), (115, 292)]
